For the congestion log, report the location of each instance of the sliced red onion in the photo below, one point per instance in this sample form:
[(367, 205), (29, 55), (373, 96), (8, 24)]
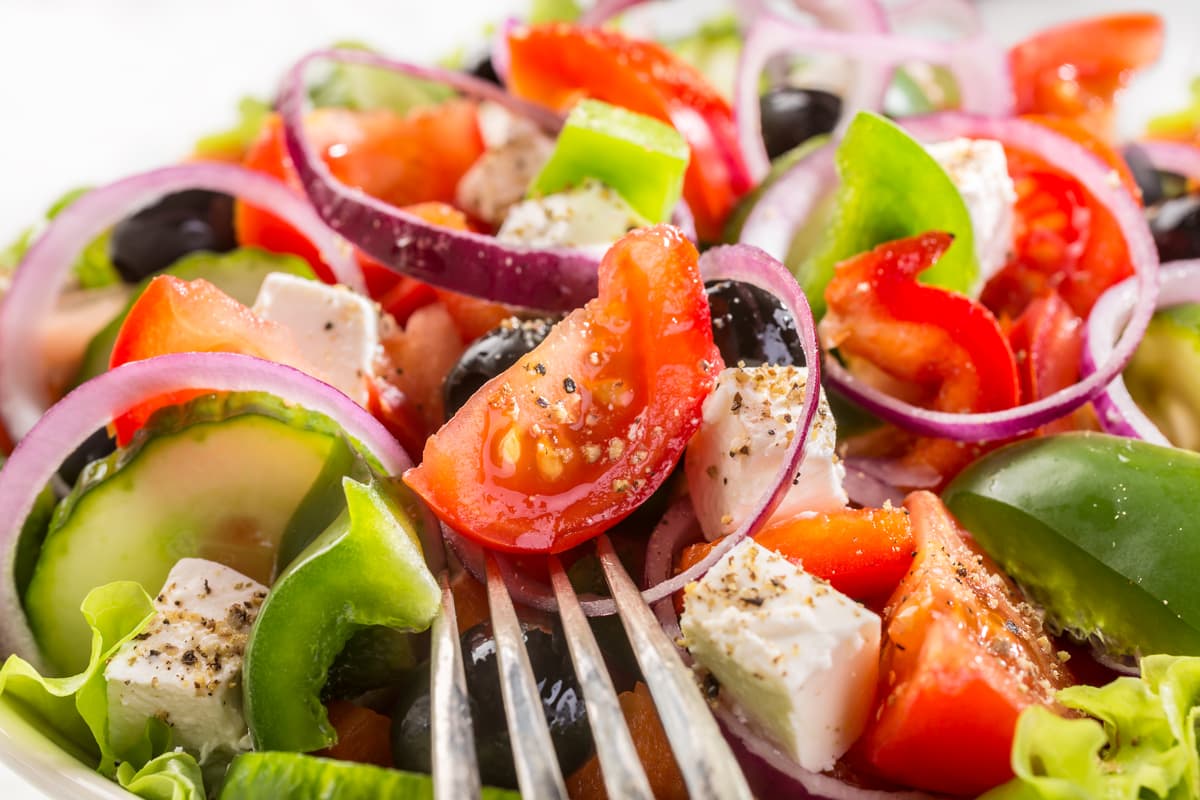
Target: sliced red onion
[(770, 35), (1097, 178), (39, 279), (1177, 157), (1178, 282), (789, 201), (677, 529), (959, 14), (604, 10), (67, 424), (802, 784), (872, 482), (462, 261), (501, 57)]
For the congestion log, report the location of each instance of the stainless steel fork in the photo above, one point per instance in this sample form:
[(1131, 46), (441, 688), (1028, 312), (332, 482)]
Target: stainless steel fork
[(708, 766)]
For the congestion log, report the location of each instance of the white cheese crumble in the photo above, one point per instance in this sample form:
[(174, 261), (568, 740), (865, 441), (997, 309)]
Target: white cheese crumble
[(979, 170), (590, 214), (749, 420), (799, 660), (337, 329), (185, 667), (516, 152)]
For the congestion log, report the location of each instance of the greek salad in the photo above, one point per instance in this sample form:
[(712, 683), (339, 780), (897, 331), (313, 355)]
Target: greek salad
[(871, 351)]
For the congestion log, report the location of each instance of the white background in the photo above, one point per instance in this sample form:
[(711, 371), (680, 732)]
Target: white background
[(91, 90)]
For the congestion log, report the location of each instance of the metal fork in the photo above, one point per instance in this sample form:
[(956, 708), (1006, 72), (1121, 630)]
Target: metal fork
[(708, 766)]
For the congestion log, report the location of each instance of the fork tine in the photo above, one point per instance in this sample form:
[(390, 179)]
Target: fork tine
[(533, 752), (619, 763), (455, 769), (703, 755)]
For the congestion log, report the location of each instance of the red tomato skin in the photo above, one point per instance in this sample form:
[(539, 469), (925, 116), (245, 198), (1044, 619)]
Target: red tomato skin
[(1074, 70), (576, 435), (174, 316), (962, 656), (556, 64)]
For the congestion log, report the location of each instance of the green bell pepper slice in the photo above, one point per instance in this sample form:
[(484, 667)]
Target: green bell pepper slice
[(258, 775), (1102, 531), (365, 569), (638, 156), (891, 188)]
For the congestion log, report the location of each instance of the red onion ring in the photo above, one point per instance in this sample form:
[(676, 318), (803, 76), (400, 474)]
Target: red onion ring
[(1178, 282), (1094, 175), (42, 273), (604, 10), (678, 527), (871, 482), (731, 262), (868, 491), (462, 261), (804, 784), (791, 199), (67, 424), (1177, 157), (965, 15)]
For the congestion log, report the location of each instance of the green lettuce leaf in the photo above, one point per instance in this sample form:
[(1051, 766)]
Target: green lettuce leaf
[(361, 88), (553, 11), (891, 189), (170, 776), (93, 269), (1138, 740), (77, 706), (234, 142)]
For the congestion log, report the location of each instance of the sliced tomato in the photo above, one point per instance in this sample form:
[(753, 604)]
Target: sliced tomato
[(363, 736), (174, 316), (1064, 240), (863, 553), (404, 160), (962, 656), (1047, 340), (406, 387), (1074, 70), (577, 434), (556, 64), (946, 350)]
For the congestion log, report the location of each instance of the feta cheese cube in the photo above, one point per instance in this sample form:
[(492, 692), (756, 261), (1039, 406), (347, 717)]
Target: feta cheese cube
[(337, 329), (799, 660), (591, 214), (185, 667), (516, 151), (749, 420), (979, 169)]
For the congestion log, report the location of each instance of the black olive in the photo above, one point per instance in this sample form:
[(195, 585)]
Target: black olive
[(95, 447), (489, 355), (791, 116), (1149, 180), (751, 325), (562, 702), (181, 223), (485, 70), (1176, 228)]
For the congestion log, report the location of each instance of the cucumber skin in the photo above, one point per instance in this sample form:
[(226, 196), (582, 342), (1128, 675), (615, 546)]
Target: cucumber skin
[(1102, 531), (52, 607), (292, 775)]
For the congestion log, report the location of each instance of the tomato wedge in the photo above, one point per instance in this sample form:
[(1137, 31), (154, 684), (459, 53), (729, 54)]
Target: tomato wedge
[(943, 348), (174, 316), (556, 64), (1074, 70), (1047, 340), (1064, 240), (962, 656), (363, 736), (577, 434)]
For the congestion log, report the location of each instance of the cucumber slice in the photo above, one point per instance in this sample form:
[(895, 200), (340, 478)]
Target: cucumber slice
[(219, 478), (1164, 375), (238, 274)]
